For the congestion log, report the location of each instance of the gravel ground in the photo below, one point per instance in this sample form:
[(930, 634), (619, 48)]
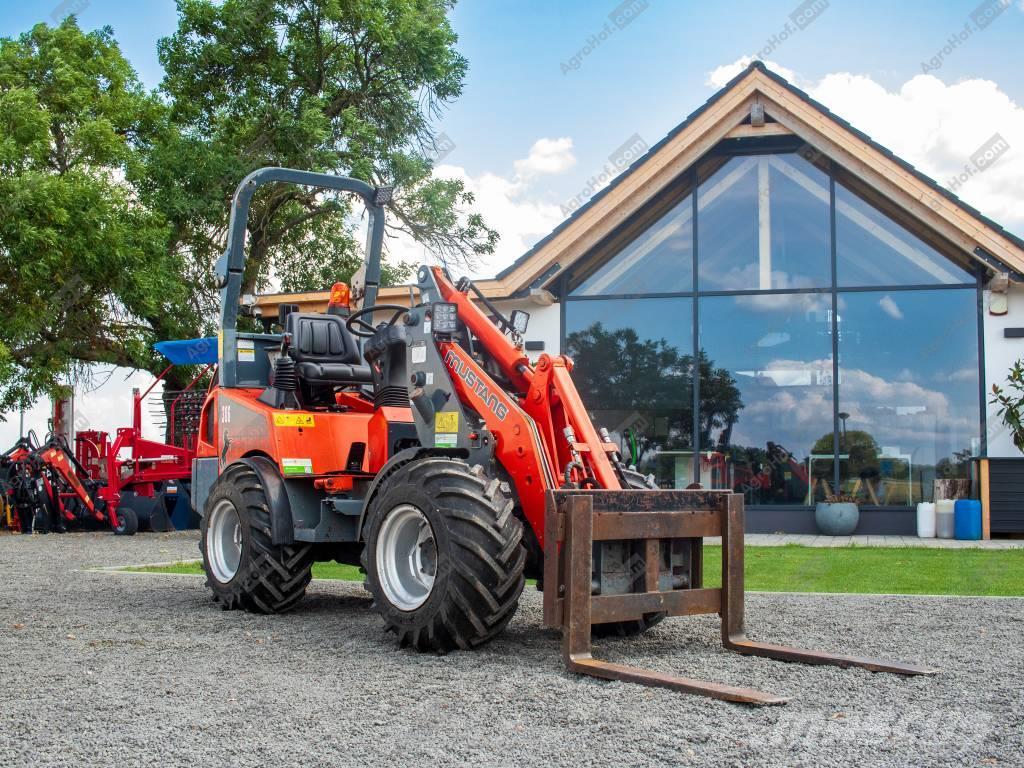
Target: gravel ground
[(136, 669)]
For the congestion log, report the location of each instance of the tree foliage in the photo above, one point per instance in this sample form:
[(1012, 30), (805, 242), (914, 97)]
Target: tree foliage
[(83, 267), (114, 202), (860, 448), (340, 87)]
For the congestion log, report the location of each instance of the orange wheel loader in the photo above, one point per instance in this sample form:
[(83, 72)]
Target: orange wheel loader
[(421, 443)]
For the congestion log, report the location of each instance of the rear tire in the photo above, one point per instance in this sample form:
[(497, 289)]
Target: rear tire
[(444, 556), (127, 522), (245, 570)]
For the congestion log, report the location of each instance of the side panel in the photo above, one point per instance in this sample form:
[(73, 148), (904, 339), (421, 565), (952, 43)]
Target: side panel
[(204, 475), (389, 430), (302, 443)]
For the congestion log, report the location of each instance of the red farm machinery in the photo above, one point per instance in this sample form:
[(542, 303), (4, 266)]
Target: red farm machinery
[(421, 443), (129, 483)]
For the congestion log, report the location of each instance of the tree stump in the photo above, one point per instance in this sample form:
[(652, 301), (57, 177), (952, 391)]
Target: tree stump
[(952, 488)]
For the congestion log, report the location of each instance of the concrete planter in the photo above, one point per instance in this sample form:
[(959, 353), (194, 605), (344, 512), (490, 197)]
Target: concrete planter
[(837, 519)]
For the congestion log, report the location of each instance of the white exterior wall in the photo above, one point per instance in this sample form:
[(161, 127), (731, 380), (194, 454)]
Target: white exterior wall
[(1000, 354), (545, 323)]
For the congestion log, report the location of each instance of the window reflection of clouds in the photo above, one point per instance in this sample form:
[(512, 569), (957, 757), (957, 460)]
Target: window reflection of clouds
[(776, 347), (909, 359), (906, 376)]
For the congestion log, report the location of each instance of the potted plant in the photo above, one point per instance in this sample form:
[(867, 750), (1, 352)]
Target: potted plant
[(837, 515)]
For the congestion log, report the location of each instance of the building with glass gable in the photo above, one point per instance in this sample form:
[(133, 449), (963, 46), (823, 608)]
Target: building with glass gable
[(768, 301)]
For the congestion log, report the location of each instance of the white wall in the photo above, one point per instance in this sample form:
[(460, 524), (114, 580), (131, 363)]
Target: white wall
[(1000, 354), (545, 323)]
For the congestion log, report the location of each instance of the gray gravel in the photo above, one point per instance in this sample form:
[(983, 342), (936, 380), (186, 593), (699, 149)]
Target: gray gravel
[(127, 669)]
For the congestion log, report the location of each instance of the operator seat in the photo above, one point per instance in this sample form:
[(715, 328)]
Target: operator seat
[(324, 351)]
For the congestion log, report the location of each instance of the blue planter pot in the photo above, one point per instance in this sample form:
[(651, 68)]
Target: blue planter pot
[(837, 519)]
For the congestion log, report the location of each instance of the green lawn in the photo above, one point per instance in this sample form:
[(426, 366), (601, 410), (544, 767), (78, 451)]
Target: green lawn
[(897, 570), (901, 570), (320, 570)]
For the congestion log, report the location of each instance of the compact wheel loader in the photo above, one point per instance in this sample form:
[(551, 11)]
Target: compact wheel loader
[(421, 443)]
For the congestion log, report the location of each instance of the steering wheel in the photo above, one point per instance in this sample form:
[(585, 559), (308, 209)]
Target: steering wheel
[(359, 327)]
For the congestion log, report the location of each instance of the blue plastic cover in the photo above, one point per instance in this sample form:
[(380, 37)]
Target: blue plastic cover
[(189, 351)]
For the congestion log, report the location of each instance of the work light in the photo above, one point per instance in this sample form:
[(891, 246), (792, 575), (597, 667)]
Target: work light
[(445, 317), (519, 321)]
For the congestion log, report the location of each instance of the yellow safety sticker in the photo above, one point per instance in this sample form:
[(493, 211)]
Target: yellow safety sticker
[(446, 421), (294, 420)]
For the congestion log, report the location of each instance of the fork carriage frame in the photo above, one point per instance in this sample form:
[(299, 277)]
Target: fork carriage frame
[(575, 519)]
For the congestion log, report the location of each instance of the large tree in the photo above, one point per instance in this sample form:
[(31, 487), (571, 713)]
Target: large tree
[(85, 275), (348, 87), (114, 202)]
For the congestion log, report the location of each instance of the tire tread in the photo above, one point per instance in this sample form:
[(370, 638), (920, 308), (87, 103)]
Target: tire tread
[(486, 545)]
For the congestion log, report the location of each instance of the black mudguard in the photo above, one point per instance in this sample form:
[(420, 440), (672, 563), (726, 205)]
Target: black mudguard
[(281, 524)]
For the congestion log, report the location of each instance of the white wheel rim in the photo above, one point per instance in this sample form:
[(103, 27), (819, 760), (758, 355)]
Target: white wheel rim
[(406, 557), (224, 541)]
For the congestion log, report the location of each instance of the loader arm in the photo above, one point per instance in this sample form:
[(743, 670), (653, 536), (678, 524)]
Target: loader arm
[(545, 392)]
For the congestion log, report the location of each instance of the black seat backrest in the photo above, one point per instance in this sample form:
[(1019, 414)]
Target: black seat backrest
[(320, 338)]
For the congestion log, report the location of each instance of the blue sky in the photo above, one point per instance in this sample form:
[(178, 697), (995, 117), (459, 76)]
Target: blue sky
[(643, 79), (530, 131)]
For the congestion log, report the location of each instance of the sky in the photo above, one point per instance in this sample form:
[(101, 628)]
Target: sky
[(555, 89)]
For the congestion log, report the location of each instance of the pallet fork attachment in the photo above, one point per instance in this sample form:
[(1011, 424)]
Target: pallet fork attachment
[(575, 519)]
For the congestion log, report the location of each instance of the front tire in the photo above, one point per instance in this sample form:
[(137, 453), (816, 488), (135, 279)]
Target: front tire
[(444, 557), (245, 570)]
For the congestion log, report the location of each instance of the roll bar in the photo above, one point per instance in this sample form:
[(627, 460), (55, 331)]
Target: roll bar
[(231, 265)]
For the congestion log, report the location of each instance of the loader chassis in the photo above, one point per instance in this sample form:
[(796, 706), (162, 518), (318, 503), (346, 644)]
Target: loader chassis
[(450, 467)]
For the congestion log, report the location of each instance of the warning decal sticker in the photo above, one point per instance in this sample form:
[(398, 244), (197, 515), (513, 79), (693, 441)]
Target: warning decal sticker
[(446, 421), (294, 420)]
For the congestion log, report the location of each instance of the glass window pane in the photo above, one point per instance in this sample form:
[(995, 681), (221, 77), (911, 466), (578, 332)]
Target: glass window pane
[(633, 370), (872, 249), (763, 223), (766, 396), (908, 392), (660, 260)]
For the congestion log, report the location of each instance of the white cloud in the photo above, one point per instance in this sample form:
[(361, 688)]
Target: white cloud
[(938, 128), (510, 207), (964, 374), (890, 307), (935, 126), (785, 303), (719, 76), (508, 204), (547, 156)]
